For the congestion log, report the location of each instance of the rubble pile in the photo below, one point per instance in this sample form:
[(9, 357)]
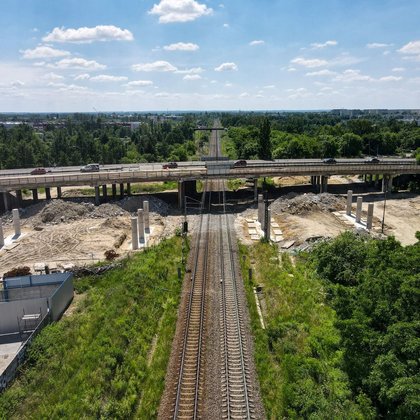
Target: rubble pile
[(293, 203)]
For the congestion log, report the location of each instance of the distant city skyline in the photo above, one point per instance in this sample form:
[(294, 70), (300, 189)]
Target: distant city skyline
[(139, 55)]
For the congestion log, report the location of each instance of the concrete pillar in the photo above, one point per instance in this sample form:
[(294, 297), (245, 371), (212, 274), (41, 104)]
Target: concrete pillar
[(121, 190), (1, 235), (387, 183), (376, 180), (134, 234), (104, 192), (16, 221), (146, 217), (5, 201), (255, 190), (58, 192), (324, 184), (19, 198), (35, 195), (128, 189), (267, 225), (260, 208), (181, 194), (369, 220), (48, 193), (140, 225), (349, 201), (359, 209), (114, 191), (97, 196)]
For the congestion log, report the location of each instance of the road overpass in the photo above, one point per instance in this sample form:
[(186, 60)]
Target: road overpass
[(19, 179)]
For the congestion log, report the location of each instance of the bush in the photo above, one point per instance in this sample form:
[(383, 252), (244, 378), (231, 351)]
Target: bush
[(17, 272), (111, 255)]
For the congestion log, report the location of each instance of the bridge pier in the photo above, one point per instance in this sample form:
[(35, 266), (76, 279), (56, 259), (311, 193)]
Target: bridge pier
[(323, 185), (97, 195), (48, 193), (58, 192), (104, 193), (128, 189), (114, 191), (255, 190), (386, 183), (19, 198), (6, 201), (35, 195), (181, 194), (121, 190)]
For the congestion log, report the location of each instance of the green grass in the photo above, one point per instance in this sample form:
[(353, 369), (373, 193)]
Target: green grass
[(97, 363), (228, 147), (298, 355), (235, 184)]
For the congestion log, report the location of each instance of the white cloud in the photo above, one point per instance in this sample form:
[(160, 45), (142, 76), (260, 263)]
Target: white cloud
[(179, 10), (317, 45), (140, 83), (351, 75), (291, 69), (227, 67), (192, 77), (257, 42), (378, 45), (398, 69), (269, 87), (181, 46), (226, 25), (244, 95), (227, 84), (78, 63), (311, 62), (52, 76), (192, 70), (413, 47), (43, 51), (73, 88), (162, 66), (83, 76), (88, 35), (323, 72), (17, 83), (108, 78), (56, 85), (390, 79)]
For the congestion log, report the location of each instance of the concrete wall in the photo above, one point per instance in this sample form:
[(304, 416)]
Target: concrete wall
[(33, 292), (37, 280), (61, 299)]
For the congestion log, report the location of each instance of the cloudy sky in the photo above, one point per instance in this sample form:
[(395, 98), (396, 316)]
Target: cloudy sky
[(138, 55)]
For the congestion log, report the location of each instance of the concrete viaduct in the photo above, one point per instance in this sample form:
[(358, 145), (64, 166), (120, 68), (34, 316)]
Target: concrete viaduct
[(188, 172)]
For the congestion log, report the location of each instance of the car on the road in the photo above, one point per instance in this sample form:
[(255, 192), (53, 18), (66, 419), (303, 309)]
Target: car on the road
[(170, 165), (329, 160), (91, 167), (372, 159), (38, 171), (239, 164)]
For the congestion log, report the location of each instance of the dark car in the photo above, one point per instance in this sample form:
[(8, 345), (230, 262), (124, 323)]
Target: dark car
[(91, 167), (170, 165), (39, 171), (372, 159), (239, 164), (329, 160)]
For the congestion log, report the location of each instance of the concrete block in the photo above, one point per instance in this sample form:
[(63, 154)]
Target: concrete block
[(16, 222), (349, 201), (134, 234), (359, 209)]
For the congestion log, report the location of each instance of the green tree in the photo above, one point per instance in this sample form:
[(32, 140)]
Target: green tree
[(264, 139)]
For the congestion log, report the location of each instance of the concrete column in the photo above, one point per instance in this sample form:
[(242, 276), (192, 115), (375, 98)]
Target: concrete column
[(181, 194), (16, 222), (134, 234), (255, 190), (35, 195), (58, 192), (369, 221), (121, 190), (140, 225), (146, 217), (114, 191), (324, 184), (5, 201), (376, 180), (1, 235), (349, 201), (128, 189), (359, 209), (104, 192), (97, 196), (48, 193), (260, 208), (19, 198), (387, 183), (267, 225)]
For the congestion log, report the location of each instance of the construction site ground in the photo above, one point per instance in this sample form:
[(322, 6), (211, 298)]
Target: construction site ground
[(75, 232)]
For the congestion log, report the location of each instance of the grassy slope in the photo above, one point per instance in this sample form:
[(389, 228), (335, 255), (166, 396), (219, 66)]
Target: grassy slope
[(298, 356), (97, 362)]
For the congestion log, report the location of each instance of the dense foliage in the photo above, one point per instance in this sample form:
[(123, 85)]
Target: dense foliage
[(298, 356), (374, 287), (109, 359), (316, 135)]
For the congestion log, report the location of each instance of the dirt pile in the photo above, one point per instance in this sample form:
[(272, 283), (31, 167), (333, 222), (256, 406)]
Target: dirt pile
[(293, 203), (156, 205)]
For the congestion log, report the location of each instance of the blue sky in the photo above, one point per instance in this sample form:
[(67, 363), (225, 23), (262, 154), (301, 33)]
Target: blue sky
[(139, 55)]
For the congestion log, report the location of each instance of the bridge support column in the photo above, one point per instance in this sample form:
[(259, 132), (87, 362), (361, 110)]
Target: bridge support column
[(190, 188), (140, 225), (376, 180), (128, 189), (323, 186), (349, 201), (267, 223), (146, 217), (19, 198), (369, 220), (58, 192), (114, 191), (134, 234), (260, 208), (121, 190), (35, 195), (387, 183), (359, 209), (16, 222), (104, 193), (255, 190), (6, 201), (48, 193), (1, 235), (181, 194), (97, 195)]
